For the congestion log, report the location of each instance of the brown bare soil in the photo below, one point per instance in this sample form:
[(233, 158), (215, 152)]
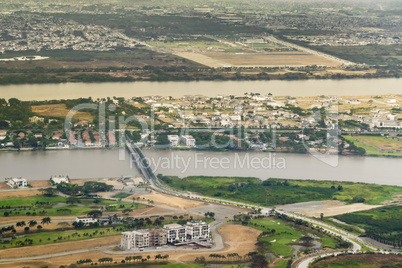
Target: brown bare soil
[(328, 207), (59, 110), (40, 184), (4, 186), (169, 201), (19, 193)]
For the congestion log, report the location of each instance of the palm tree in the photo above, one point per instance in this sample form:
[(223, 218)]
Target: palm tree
[(148, 257)]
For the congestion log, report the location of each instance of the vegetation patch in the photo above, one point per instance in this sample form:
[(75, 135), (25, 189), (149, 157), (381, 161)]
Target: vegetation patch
[(382, 224), (279, 191), (360, 260)]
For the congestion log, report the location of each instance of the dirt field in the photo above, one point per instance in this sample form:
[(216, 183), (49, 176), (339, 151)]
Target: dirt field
[(167, 200), (59, 110), (4, 186), (237, 238), (329, 208), (39, 184), (266, 59), (19, 193)]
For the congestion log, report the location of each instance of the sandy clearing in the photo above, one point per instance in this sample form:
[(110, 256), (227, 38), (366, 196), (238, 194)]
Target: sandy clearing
[(328, 207), (169, 201), (237, 238), (19, 193), (4, 186), (39, 184)]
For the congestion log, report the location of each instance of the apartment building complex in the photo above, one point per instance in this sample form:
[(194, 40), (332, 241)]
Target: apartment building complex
[(169, 234)]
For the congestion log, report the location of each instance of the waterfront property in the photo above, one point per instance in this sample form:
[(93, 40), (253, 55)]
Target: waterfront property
[(17, 182), (192, 232), (58, 180)]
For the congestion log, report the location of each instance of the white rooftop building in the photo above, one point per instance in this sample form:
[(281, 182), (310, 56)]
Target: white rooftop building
[(17, 182), (197, 230), (135, 239), (174, 140), (175, 233), (58, 180), (188, 140)]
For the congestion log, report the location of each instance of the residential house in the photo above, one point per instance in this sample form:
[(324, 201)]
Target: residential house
[(17, 182), (188, 140)]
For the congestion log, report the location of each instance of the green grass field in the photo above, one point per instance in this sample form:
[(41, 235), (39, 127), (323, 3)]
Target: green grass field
[(121, 195), (378, 145), (44, 206), (44, 238), (281, 264), (361, 260), (283, 237), (383, 223), (279, 191)]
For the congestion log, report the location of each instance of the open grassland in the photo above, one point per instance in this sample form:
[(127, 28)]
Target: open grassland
[(361, 260), (57, 206), (44, 238), (378, 145), (257, 59), (61, 111), (384, 222), (70, 60), (279, 191), (281, 264), (287, 234), (280, 242)]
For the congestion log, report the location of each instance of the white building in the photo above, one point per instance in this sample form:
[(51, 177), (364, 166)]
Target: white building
[(17, 182), (58, 180), (85, 220), (175, 233), (135, 239), (197, 230), (188, 140), (174, 140)]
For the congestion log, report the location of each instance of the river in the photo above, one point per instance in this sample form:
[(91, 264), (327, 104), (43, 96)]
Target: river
[(106, 163), (208, 88)]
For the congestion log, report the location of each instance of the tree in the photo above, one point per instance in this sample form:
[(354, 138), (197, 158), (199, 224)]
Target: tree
[(259, 261), (26, 229), (39, 227), (322, 216), (46, 220), (32, 223), (95, 213), (49, 192), (72, 200)]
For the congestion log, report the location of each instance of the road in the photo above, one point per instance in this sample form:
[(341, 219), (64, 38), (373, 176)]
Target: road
[(346, 236)]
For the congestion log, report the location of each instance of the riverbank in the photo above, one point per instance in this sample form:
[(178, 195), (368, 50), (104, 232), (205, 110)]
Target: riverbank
[(58, 76)]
